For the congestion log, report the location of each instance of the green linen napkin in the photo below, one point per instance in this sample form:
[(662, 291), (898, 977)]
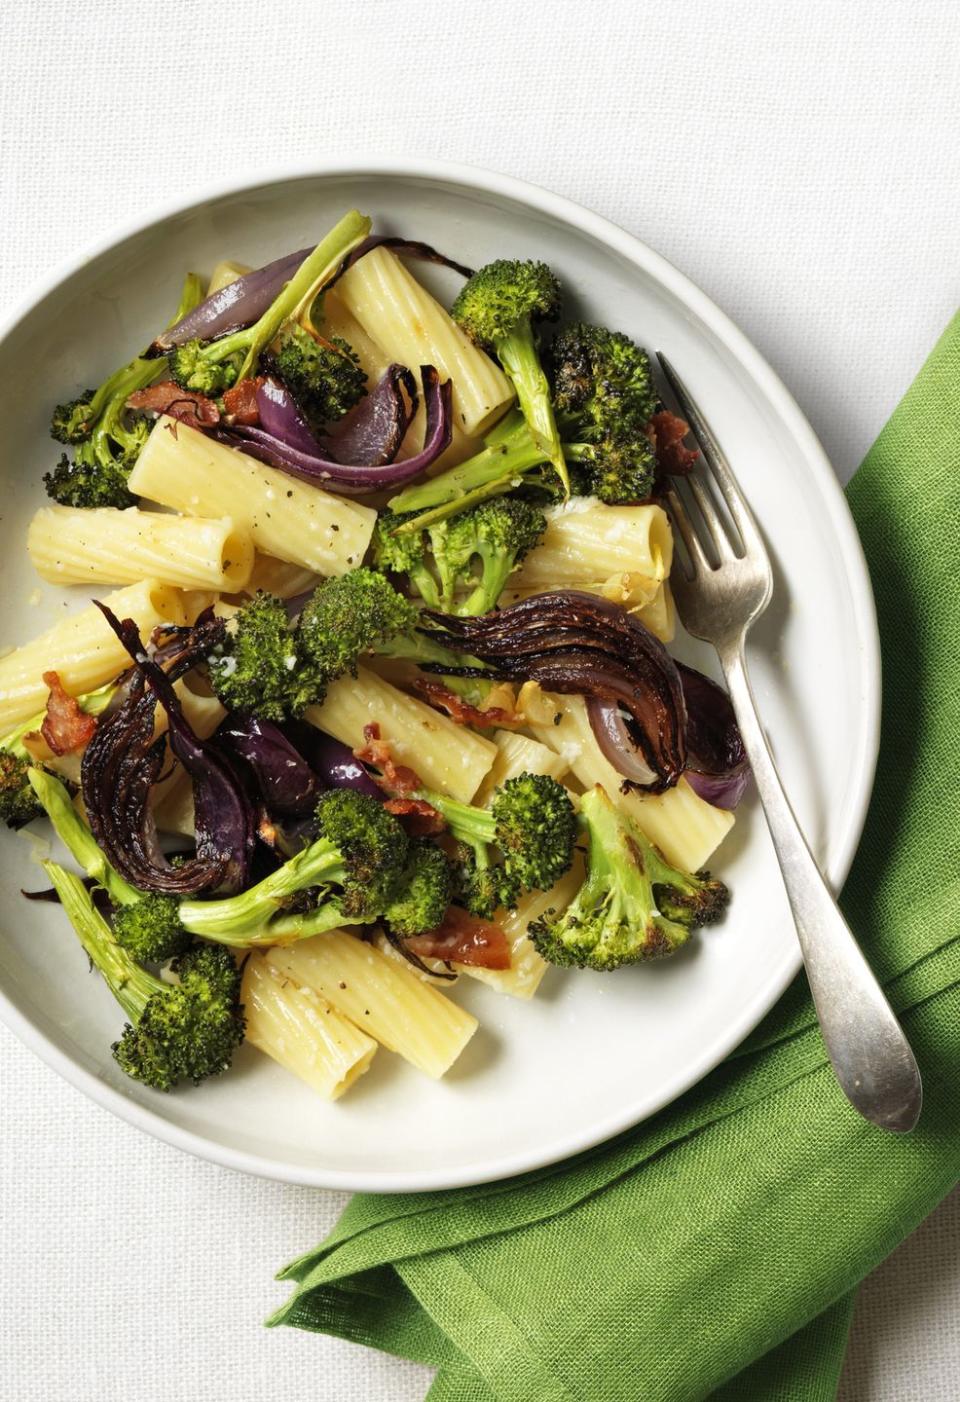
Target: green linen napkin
[(712, 1250)]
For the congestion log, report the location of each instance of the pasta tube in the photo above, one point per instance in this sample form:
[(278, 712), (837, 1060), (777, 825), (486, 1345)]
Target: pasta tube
[(587, 541), (279, 577), (82, 649), (660, 615), (301, 1031), (107, 546), (224, 273), (414, 329), (685, 828), (379, 995), (446, 756), (291, 520), (518, 754)]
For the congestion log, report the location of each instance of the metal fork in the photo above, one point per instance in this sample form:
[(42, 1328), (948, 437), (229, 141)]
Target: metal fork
[(720, 591)]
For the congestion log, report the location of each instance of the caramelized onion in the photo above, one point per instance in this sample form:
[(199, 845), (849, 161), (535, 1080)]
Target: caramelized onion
[(124, 759), (292, 448), (584, 644), (615, 742), (717, 764)]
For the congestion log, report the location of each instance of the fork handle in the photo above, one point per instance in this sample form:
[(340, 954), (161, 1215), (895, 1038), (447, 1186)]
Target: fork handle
[(870, 1054)]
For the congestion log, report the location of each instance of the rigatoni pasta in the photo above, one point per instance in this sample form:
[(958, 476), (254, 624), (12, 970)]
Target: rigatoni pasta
[(412, 326), (519, 754), (685, 828), (291, 520), (82, 649), (586, 541), (387, 1001), (279, 577), (107, 546), (301, 1031), (446, 756)]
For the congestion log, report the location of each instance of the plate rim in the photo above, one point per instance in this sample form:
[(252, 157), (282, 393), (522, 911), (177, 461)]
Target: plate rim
[(635, 251)]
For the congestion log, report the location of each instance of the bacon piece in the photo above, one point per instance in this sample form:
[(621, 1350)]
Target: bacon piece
[(461, 711), (674, 458), (240, 402), (395, 778), (419, 818), (183, 404), (65, 726), (463, 939)]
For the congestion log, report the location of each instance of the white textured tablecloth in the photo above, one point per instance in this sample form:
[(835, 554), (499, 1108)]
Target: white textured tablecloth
[(800, 162)]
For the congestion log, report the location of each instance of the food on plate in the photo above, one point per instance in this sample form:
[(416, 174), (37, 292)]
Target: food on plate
[(381, 698)]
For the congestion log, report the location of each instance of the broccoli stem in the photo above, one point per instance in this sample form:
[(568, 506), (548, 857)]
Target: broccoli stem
[(298, 294), (517, 353), (77, 837), (285, 929), (497, 569), (132, 986), (191, 295), (468, 824), (493, 468), (233, 919)]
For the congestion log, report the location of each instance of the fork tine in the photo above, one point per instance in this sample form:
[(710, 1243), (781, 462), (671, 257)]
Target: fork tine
[(714, 457), (711, 518), (688, 535)]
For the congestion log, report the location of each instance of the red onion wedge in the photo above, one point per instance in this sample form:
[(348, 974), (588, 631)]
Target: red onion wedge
[(287, 784), (123, 761), (235, 306), (717, 765), (583, 644), (616, 745), (300, 454), (370, 434), (244, 301), (334, 763)]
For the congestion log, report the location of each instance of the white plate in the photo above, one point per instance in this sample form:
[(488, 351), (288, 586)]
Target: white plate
[(592, 1054)]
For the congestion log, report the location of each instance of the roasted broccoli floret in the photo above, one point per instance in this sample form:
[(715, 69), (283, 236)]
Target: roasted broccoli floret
[(424, 892), (461, 566), (359, 613), (146, 925), (482, 547), (192, 369), (522, 842), (84, 482), (259, 668), (632, 905), (150, 929), (499, 308), (72, 422), (604, 398), (212, 366), (357, 862), (18, 802), (107, 438), (324, 377), (408, 553), (183, 1031)]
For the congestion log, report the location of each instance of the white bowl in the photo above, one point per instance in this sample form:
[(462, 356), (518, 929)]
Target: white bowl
[(592, 1054)]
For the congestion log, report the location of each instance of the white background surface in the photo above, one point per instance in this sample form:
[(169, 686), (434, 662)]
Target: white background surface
[(800, 163)]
